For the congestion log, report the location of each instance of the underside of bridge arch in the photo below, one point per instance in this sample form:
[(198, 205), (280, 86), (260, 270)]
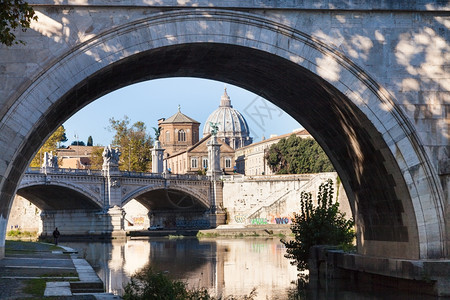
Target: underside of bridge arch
[(53, 197), (385, 218), (169, 199)]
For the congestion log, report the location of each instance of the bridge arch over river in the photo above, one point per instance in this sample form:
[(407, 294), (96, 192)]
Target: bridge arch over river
[(91, 202), (349, 73)]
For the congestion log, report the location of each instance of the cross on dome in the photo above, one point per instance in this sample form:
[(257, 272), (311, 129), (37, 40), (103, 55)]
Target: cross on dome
[(225, 99)]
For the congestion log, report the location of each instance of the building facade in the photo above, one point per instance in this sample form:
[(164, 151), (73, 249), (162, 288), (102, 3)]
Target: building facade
[(194, 160), (178, 132)]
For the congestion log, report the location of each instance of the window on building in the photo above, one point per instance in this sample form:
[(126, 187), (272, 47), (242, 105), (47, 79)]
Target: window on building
[(181, 135), (205, 163), (167, 136), (227, 162), (194, 163)]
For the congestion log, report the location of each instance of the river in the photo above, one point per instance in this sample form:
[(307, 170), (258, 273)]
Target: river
[(223, 266)]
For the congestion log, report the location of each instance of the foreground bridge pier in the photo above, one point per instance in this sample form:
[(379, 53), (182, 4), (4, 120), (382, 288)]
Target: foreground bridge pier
[(334, 269)]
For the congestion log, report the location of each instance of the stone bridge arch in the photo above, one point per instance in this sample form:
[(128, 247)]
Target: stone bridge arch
[(57, 195), (395, 193), (201, 197)]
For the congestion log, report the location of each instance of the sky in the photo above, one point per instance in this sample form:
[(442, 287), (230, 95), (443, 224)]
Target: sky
[(151, 100)]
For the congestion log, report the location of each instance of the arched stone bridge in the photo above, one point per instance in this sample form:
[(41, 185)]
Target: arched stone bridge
[(63, 189), (85, 202)]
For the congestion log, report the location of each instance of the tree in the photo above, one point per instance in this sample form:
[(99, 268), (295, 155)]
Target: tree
[(63, 138), (296, 155), (90, 141), (49, 146), (134, 143), (78, 143), (323, 224), (13, 14), (96, 158)]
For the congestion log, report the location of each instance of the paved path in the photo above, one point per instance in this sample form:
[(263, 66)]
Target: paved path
[(28, 260)]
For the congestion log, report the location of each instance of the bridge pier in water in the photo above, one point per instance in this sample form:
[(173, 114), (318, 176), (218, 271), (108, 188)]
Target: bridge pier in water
[(84, 223)]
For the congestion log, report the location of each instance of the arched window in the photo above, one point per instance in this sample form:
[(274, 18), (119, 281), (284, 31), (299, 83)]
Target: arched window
[(181, 136), (167, 136)]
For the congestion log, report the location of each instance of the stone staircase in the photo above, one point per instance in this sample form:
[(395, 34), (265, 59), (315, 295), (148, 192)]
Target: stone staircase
[(261, 210)]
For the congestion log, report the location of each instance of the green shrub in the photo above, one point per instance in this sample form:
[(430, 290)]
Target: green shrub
[(320, 225), (149, 284)]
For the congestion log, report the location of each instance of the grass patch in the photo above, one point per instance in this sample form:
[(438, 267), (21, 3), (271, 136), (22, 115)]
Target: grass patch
[(13, 246), (35, 287), (56, 248), (280, 235), (207, 234), (173, 237), (19, 234)]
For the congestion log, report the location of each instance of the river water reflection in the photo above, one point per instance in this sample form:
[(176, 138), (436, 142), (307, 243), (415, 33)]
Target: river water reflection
[(223, 266)]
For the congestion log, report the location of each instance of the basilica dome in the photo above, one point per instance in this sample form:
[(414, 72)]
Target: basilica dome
[(233, 128)]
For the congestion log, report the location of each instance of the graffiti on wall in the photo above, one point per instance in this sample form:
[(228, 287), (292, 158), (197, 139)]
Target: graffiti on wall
[(259, 221), (240, 219), (192, 223), (138, 220), (283, 220)]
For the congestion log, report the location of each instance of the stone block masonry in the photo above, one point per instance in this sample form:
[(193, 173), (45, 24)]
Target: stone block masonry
[(373, 92)]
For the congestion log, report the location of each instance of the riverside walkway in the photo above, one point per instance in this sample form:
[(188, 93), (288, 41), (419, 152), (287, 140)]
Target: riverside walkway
[(39, 270)]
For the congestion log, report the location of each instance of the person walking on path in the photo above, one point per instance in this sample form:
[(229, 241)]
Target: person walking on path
[(56, 235)]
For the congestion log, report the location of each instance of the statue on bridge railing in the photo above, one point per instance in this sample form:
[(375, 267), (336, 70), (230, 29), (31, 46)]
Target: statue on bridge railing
[(111, 156), (157, 133), (50, 161), (214, 128)]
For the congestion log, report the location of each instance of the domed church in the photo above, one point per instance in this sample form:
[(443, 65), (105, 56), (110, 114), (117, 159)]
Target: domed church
[(233, 129), (184, 153)]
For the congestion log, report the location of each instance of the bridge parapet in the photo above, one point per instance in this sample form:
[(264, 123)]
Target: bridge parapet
[(164, 176), (37, 170), (33, 170)]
